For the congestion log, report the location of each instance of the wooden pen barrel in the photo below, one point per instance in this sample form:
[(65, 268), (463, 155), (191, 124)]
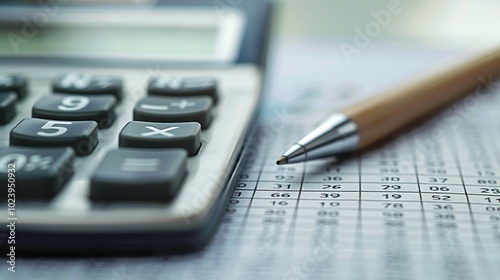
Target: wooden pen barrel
[(383, 114)]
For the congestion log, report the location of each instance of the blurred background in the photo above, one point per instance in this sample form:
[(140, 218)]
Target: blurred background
[(340, 51), (447, 24)]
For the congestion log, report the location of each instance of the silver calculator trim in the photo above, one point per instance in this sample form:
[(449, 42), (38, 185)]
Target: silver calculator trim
[(72, 212)]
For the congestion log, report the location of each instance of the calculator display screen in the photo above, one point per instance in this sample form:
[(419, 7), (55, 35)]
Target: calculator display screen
[(127, 40), (177, 34)]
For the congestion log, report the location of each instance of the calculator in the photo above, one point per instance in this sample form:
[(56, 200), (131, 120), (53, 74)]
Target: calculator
[(122, 126)]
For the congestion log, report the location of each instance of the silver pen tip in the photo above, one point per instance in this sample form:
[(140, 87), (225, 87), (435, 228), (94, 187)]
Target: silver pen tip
[(282, 160)]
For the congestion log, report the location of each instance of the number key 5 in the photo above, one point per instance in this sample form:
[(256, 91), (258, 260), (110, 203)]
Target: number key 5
[(79, 135)]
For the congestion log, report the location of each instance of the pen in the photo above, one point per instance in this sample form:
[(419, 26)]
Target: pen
[(367, 122)]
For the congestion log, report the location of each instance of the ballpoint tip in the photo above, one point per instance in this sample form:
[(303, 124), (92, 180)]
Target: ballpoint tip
[(282, 160)]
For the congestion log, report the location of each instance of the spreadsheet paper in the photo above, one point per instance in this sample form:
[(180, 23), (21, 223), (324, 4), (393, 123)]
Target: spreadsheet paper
[(424, 206)]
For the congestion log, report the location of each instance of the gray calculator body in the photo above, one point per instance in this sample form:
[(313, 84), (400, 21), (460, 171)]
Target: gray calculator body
[(71, 221)]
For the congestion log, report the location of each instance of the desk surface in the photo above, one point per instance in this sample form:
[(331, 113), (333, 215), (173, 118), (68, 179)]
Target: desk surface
[(424, 206)]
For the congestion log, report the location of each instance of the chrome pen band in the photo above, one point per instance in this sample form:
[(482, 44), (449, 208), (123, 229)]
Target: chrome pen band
[(336, 135)]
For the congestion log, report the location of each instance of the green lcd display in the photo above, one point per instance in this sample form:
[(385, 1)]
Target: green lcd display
[(113, 40)]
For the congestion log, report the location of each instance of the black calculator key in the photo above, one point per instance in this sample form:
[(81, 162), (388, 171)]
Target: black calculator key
[(80, 135), (7, 107), (137, 175), (88, 84), (182, 87), (36, 173), (162, 135), (77, 108), (171, 109), (13, 83)]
